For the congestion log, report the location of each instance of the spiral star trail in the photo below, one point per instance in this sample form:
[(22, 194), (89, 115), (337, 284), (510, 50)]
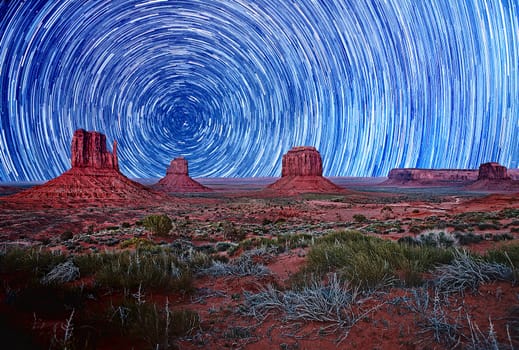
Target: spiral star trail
[(232, 85)]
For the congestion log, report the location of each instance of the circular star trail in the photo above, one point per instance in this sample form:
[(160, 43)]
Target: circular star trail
[(232, 85)]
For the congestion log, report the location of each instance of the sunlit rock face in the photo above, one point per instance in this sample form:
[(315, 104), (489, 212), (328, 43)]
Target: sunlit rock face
[(89, 151), (302, 171), (302, 161), (177, 179), (94, 178)]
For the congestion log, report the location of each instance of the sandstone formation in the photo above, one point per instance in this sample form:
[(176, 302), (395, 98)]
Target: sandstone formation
[(494, 177), (302, 161), (177, 179), (94, 178), (493, 171), (430, 177), (302, 170), (89, 151), (490, 176)]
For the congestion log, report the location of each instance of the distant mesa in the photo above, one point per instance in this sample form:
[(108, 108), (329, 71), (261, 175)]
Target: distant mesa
[(493, 171), (177, 179), (94, 177), (430, 177), (494, 177), (302, 171), (490, 176)]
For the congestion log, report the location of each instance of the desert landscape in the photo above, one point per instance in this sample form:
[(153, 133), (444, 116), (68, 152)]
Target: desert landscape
[(423, 259)]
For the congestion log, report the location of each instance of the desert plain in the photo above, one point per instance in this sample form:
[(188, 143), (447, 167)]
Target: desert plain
[(245, 269)]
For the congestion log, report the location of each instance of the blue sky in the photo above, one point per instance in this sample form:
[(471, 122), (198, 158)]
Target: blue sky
[(232, 85)]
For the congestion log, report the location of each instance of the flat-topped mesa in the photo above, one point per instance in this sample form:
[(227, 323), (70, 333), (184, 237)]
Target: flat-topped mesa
[(302, 161), (302, 171), (430, 177), (493, 171), (177, 179), (89, 151)]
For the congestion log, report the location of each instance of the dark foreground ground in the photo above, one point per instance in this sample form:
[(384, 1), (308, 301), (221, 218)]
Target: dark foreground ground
[(372, 267)]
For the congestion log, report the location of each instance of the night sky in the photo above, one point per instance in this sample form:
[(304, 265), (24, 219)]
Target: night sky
[(232, 85)]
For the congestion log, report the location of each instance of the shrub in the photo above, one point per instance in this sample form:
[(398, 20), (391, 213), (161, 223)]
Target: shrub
[(371, 262), (508, 255), (468, 272), (330, 302), (36, 262), (468, 238), (159, 225), (157, 325), (438, 239), (158, 269), (359, 218), (65, 236), (244, 265)]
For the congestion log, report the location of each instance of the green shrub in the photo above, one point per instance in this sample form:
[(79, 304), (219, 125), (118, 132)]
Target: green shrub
[(157, 269), (65, 236), (467, 238), (359, 218), (508, 255), (370, 262), (156, 325), (436, 239), (36, 262), (159, 225)]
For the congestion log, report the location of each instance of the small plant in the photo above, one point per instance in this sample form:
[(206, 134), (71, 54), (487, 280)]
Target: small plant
[(330, 302), (242, 266), (159, 225), (468, 272), (359, 218), (435, 238), (62, 273), (65, 236), (387, 213), (157, 325), (434, 320)]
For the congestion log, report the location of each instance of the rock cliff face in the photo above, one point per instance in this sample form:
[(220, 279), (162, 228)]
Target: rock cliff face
[(302, 161), (178, 166), (494, 177), (490, 176), (493, 171), (94, 178), (430, 177), (177, 179), (302, 170), (89, 151)]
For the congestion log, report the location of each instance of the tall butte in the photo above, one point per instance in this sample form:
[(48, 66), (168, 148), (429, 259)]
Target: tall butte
[(94, 177), (302, 171), (177, 179)]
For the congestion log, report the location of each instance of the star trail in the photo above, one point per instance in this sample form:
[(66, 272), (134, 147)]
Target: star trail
[(232, 85)]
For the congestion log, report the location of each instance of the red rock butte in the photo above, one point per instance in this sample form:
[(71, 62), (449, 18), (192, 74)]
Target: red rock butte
[(89, 151), (94, 177), (494, 177), (302, 170), (177, 179), (493, 171)]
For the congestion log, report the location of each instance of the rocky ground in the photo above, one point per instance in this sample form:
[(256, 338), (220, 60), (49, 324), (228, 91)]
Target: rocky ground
[(239, 219)]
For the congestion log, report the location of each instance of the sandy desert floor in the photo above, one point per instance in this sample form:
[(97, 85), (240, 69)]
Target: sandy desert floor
[(276, 238)]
